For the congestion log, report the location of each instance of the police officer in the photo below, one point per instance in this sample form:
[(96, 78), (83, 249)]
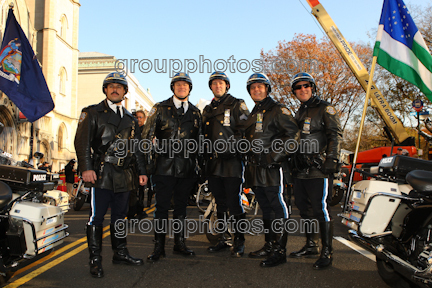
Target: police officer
[(223, 119), (171, 125), (269, 127), (107, 167), (136, 198), (318, 122)]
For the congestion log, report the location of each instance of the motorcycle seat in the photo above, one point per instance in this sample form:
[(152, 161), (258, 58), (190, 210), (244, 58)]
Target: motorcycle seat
[(5, 194), (421, 181)]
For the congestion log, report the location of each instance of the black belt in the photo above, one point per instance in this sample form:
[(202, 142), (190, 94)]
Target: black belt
[(223, 155), (115, 160)]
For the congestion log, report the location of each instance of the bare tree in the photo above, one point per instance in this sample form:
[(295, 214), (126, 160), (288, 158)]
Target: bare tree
[(335, 81)]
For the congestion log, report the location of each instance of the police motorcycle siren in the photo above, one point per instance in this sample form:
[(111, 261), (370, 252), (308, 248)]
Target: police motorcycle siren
[(29, 226), (391, 215)]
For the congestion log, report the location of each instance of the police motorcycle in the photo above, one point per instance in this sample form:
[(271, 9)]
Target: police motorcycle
[(339, 188), (81, 195), (31, 215), (339, 178), (391, 215)]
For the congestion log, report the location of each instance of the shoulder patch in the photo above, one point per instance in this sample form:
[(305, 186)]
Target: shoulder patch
[(152, 111), (286, 111), (243, 106), (82, 117), (331, 110)]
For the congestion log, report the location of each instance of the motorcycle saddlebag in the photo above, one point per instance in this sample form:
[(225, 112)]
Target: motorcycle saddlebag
[(43, 225), (371, 211)]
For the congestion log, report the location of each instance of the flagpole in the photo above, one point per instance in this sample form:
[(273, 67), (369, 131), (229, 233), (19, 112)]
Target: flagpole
[(374, 59), (31, 143)]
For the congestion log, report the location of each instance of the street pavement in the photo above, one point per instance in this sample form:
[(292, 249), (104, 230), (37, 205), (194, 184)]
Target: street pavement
[(68, 265)]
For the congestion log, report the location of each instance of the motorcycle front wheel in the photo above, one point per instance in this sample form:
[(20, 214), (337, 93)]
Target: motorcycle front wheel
[(337, 195), (79, 201), (390, 276), (203, 197), (211, 235)]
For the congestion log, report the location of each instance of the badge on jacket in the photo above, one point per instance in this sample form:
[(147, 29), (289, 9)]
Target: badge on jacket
[(259, 123), (306, 125), (227, 117)]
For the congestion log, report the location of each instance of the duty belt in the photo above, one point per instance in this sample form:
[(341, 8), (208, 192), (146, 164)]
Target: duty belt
[(114, 160)]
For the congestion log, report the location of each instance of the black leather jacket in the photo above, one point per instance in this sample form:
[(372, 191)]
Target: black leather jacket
[(166, 126), (319, 121), (270, 121), (98, 128), (223, 121)]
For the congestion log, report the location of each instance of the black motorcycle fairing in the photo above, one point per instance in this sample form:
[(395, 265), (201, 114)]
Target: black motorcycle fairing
[(415, 221), (397, 223)]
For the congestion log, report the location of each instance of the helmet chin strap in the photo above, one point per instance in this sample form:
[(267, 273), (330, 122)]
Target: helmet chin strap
[(115, 102), (181, 98)]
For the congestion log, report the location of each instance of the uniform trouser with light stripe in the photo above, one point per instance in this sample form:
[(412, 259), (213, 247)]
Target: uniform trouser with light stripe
[(227, 191), (101, 199), (271, 202), (312, 198)]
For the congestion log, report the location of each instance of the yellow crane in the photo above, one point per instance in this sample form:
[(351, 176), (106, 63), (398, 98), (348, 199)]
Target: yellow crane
[(378, 101)]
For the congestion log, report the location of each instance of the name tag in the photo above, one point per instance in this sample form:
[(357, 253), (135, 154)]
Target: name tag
[(227, 117), (259, 123)]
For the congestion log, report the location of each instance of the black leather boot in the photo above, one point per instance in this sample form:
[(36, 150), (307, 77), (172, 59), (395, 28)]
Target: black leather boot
[(267, 249), (179, 240), (326, 259), (279, 250), (222, 241), (160, 232), (310, 249), (94, 240), (121, 253), (141, 214), (239, 239)]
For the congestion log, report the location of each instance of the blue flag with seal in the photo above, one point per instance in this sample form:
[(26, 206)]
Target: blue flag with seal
[(401, 49), (21, 77)]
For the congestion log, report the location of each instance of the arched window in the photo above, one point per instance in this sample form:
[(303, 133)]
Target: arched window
[(62, 79), (60, 138), (63, 26), (7, 138)]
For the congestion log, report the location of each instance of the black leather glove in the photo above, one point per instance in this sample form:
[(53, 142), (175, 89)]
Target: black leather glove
[(267, 161), (299, 162), (330, 166)]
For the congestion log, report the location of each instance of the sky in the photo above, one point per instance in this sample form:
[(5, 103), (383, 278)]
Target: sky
[(231, 33)]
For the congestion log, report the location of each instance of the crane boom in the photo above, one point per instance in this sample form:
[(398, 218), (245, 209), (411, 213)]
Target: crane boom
[(377, 99)]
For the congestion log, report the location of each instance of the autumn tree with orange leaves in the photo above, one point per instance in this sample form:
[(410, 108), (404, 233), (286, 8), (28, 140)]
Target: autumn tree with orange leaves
[(335, 81)]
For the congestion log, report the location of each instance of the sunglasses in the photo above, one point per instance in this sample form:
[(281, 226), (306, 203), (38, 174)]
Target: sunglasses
[(298, 87)]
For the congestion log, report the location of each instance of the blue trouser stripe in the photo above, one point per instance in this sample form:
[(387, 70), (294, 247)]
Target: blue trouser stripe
[(324, 202)]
